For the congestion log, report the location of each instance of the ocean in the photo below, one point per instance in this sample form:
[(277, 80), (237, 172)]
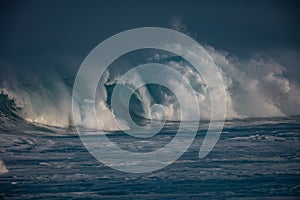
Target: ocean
[(256, 157), (253, 159)]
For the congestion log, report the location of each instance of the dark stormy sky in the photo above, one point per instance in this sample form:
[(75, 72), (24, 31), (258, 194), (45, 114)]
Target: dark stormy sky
[(39, 38)]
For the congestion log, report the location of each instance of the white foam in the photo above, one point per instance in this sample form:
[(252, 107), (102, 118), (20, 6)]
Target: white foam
[(3, 168), (255, 87)]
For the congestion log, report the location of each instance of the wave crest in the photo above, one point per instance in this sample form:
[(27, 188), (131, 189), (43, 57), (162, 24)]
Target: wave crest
[(256, 87)]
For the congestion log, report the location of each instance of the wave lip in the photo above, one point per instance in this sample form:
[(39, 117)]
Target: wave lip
[(257, 87)]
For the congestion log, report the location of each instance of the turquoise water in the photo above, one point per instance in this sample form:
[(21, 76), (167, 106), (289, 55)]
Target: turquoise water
[(254, 158)]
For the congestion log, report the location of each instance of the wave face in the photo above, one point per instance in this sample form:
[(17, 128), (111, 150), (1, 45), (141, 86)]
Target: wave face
[(256, 87)]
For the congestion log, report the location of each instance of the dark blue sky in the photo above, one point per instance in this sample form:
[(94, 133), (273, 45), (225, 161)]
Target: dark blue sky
[(40, 36)]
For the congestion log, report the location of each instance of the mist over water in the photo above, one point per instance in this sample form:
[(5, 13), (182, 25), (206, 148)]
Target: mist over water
[(255, 87)]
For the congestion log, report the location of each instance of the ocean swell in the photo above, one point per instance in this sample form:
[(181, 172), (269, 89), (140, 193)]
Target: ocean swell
[(255, 87)]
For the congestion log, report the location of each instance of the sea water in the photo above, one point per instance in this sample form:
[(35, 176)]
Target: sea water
[(253, 159)]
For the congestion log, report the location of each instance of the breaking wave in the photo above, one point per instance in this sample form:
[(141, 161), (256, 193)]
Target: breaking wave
[(256, 87)]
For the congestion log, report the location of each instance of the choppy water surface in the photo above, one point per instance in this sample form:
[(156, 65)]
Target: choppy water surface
[(253, 159)]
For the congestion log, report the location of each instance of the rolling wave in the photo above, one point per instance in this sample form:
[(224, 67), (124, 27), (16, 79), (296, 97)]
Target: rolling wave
[(257, 87)]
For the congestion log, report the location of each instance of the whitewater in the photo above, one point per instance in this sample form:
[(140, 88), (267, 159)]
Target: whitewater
[(257, 155), (255, 88)]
